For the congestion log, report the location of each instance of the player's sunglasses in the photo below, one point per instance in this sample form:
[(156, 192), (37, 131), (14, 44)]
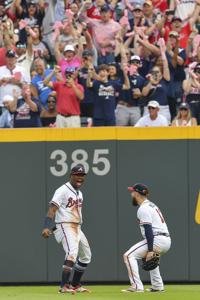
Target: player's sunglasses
[(185, 109)]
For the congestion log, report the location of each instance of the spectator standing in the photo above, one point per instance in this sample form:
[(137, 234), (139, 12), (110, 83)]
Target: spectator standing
[(176, 58), (26, 109), (153, 118), (191, 87), (87, 105), (70, 59), (25, 56), (104, 32), (105, 96), (184, 116), (11, 76), (40, 90), (128, 110), (157, 85), (69, 94)]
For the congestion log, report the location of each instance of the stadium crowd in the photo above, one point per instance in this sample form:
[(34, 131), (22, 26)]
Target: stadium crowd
[(73, 63)]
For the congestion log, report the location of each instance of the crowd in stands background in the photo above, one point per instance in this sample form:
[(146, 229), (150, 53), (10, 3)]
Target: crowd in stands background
[(73, 63)]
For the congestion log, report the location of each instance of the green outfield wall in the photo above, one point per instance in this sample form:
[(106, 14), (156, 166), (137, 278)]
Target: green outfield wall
[(34, 162)]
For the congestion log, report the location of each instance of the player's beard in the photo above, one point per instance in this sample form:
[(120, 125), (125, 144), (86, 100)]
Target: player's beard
[(134, 202)]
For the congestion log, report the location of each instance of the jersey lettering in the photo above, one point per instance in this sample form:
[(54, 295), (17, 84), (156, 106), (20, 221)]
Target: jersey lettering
[(71, 202)]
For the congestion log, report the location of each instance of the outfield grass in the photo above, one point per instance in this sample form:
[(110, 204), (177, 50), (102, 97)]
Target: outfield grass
[(107, 292)]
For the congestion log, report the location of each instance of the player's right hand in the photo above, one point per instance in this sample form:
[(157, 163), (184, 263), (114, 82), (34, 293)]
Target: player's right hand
[(46, 232)]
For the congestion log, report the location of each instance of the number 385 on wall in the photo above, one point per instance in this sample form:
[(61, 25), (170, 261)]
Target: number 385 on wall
[(100, 163)]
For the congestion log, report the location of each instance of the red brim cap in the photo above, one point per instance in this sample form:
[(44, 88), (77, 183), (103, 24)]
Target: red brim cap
[(130, 188)]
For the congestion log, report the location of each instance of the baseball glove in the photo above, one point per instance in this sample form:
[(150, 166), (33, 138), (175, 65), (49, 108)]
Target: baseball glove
[(152, 263)]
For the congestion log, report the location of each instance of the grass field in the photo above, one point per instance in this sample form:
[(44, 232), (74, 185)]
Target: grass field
[(107, 292)]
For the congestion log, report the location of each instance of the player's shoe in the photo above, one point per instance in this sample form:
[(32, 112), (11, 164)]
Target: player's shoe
[(132, 290), (154, 290), (80, 289), (67, 289)]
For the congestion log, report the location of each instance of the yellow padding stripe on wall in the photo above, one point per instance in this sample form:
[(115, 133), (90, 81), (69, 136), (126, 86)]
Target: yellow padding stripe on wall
[(98, 134)]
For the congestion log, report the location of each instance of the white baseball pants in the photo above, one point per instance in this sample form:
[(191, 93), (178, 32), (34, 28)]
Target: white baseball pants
[(75, 243), (138, 251)]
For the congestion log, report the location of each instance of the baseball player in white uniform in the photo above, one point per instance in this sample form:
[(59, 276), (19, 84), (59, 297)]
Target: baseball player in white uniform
[(66, 207), (156, 240)]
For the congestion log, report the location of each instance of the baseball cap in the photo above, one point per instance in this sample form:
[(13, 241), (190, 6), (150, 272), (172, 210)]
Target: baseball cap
[(184, 105), (69, 48), (87, 53), (176, 18), (148, 2), (20, 44), (32, 2), (78, 169), (137, 7), (135, 57), (105, 7), (153, 103), (10, 53), (140, 188)]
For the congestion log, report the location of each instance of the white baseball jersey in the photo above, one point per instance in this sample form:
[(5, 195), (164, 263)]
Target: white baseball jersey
[(149, 213), (69, 202)]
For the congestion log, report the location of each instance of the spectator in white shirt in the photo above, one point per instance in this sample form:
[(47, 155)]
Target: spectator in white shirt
[(12, 76), (153, 118)]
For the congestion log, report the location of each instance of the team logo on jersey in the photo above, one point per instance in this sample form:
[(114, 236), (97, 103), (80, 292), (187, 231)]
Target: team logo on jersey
[(74, 202)]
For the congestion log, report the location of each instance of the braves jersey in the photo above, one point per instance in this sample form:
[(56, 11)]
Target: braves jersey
[(69, 202), (149, 213)]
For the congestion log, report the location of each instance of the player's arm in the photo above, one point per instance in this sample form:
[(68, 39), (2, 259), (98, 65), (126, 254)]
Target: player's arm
[(46, 232), (149, 237)]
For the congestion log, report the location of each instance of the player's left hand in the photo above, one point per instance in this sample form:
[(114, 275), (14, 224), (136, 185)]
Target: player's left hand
[(149, 255), (46, 233)]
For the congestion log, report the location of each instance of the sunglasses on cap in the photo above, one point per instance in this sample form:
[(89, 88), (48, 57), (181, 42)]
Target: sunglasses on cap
[(183, 108), (137, 62), (173, 36)]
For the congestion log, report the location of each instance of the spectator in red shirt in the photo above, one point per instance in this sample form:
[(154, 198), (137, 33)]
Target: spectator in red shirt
[(185, 29), (69, 94)]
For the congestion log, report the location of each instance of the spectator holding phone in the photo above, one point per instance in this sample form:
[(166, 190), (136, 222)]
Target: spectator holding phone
[(191, 87), (69, 94), (157, 84)]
